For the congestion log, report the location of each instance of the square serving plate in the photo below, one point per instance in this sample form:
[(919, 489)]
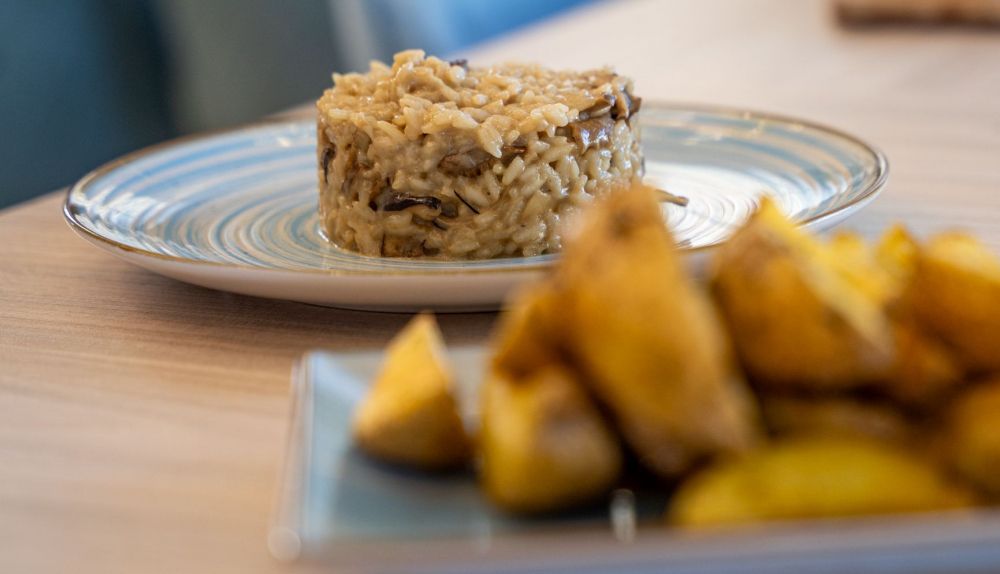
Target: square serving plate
[(337, 508)]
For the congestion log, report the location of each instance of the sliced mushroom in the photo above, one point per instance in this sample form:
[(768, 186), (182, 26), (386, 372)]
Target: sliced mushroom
[(468, 163), (460, 62), (600, 108), (667, 197), (329, 153), (397, 201), (592, 132), (472, 162), (389, 200), (449, 208), (509, 151), (626, 106), (634, 106)]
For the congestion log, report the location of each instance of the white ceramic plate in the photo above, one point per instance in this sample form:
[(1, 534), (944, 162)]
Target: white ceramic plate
[(338, 508), (236, 211)]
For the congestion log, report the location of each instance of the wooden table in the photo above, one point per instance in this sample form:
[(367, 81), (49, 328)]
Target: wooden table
[(142, 420)]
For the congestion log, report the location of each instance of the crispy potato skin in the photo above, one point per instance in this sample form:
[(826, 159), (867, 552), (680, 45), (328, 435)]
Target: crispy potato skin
[(972, 436), (410, 416), (956, 296), (896, 256), (925, 372), (813, 477), (795, 319), (647, 339), (529, 332), (544, 445), (829, 317)]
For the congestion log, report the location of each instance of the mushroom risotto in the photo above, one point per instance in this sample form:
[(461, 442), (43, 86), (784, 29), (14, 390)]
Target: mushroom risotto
[(430, 158)]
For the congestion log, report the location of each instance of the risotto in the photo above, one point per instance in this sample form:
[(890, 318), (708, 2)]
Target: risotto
[(430, 158)]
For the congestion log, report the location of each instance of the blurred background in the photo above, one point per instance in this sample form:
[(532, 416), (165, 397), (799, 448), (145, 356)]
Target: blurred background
[(84, 81)]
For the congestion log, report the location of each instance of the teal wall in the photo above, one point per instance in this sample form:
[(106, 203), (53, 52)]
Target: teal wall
[(84, 81)]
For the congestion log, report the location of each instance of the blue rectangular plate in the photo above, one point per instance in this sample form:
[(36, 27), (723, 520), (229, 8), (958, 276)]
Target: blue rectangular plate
[(338, 508)]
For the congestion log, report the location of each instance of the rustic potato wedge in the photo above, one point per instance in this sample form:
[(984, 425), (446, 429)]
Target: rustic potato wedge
[(814, 477), (543, 444), (956, 296), (858, 263), (896, 255), (787, 416), (924, 371), (972, 436), (528, 335), (850, 245), (799, 316), (410, 415), (648, 340)]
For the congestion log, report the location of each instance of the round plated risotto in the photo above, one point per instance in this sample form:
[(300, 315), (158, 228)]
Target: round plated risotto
[(430, 158)]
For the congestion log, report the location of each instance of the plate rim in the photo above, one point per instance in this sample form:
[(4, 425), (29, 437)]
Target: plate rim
[(70, 209)]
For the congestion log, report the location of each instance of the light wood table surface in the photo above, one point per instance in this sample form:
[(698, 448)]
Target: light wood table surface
[(142, 420)]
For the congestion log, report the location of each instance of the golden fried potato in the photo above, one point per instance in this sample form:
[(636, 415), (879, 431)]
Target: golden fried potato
[(410, 415), (544, 445), (648, 340), (787, 415), (882, 271), (857, 263), (896, 256), (850, 245), (924, 371), (956, 296), (799, 316), (814, 477), (528, 335), (972, 436)]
